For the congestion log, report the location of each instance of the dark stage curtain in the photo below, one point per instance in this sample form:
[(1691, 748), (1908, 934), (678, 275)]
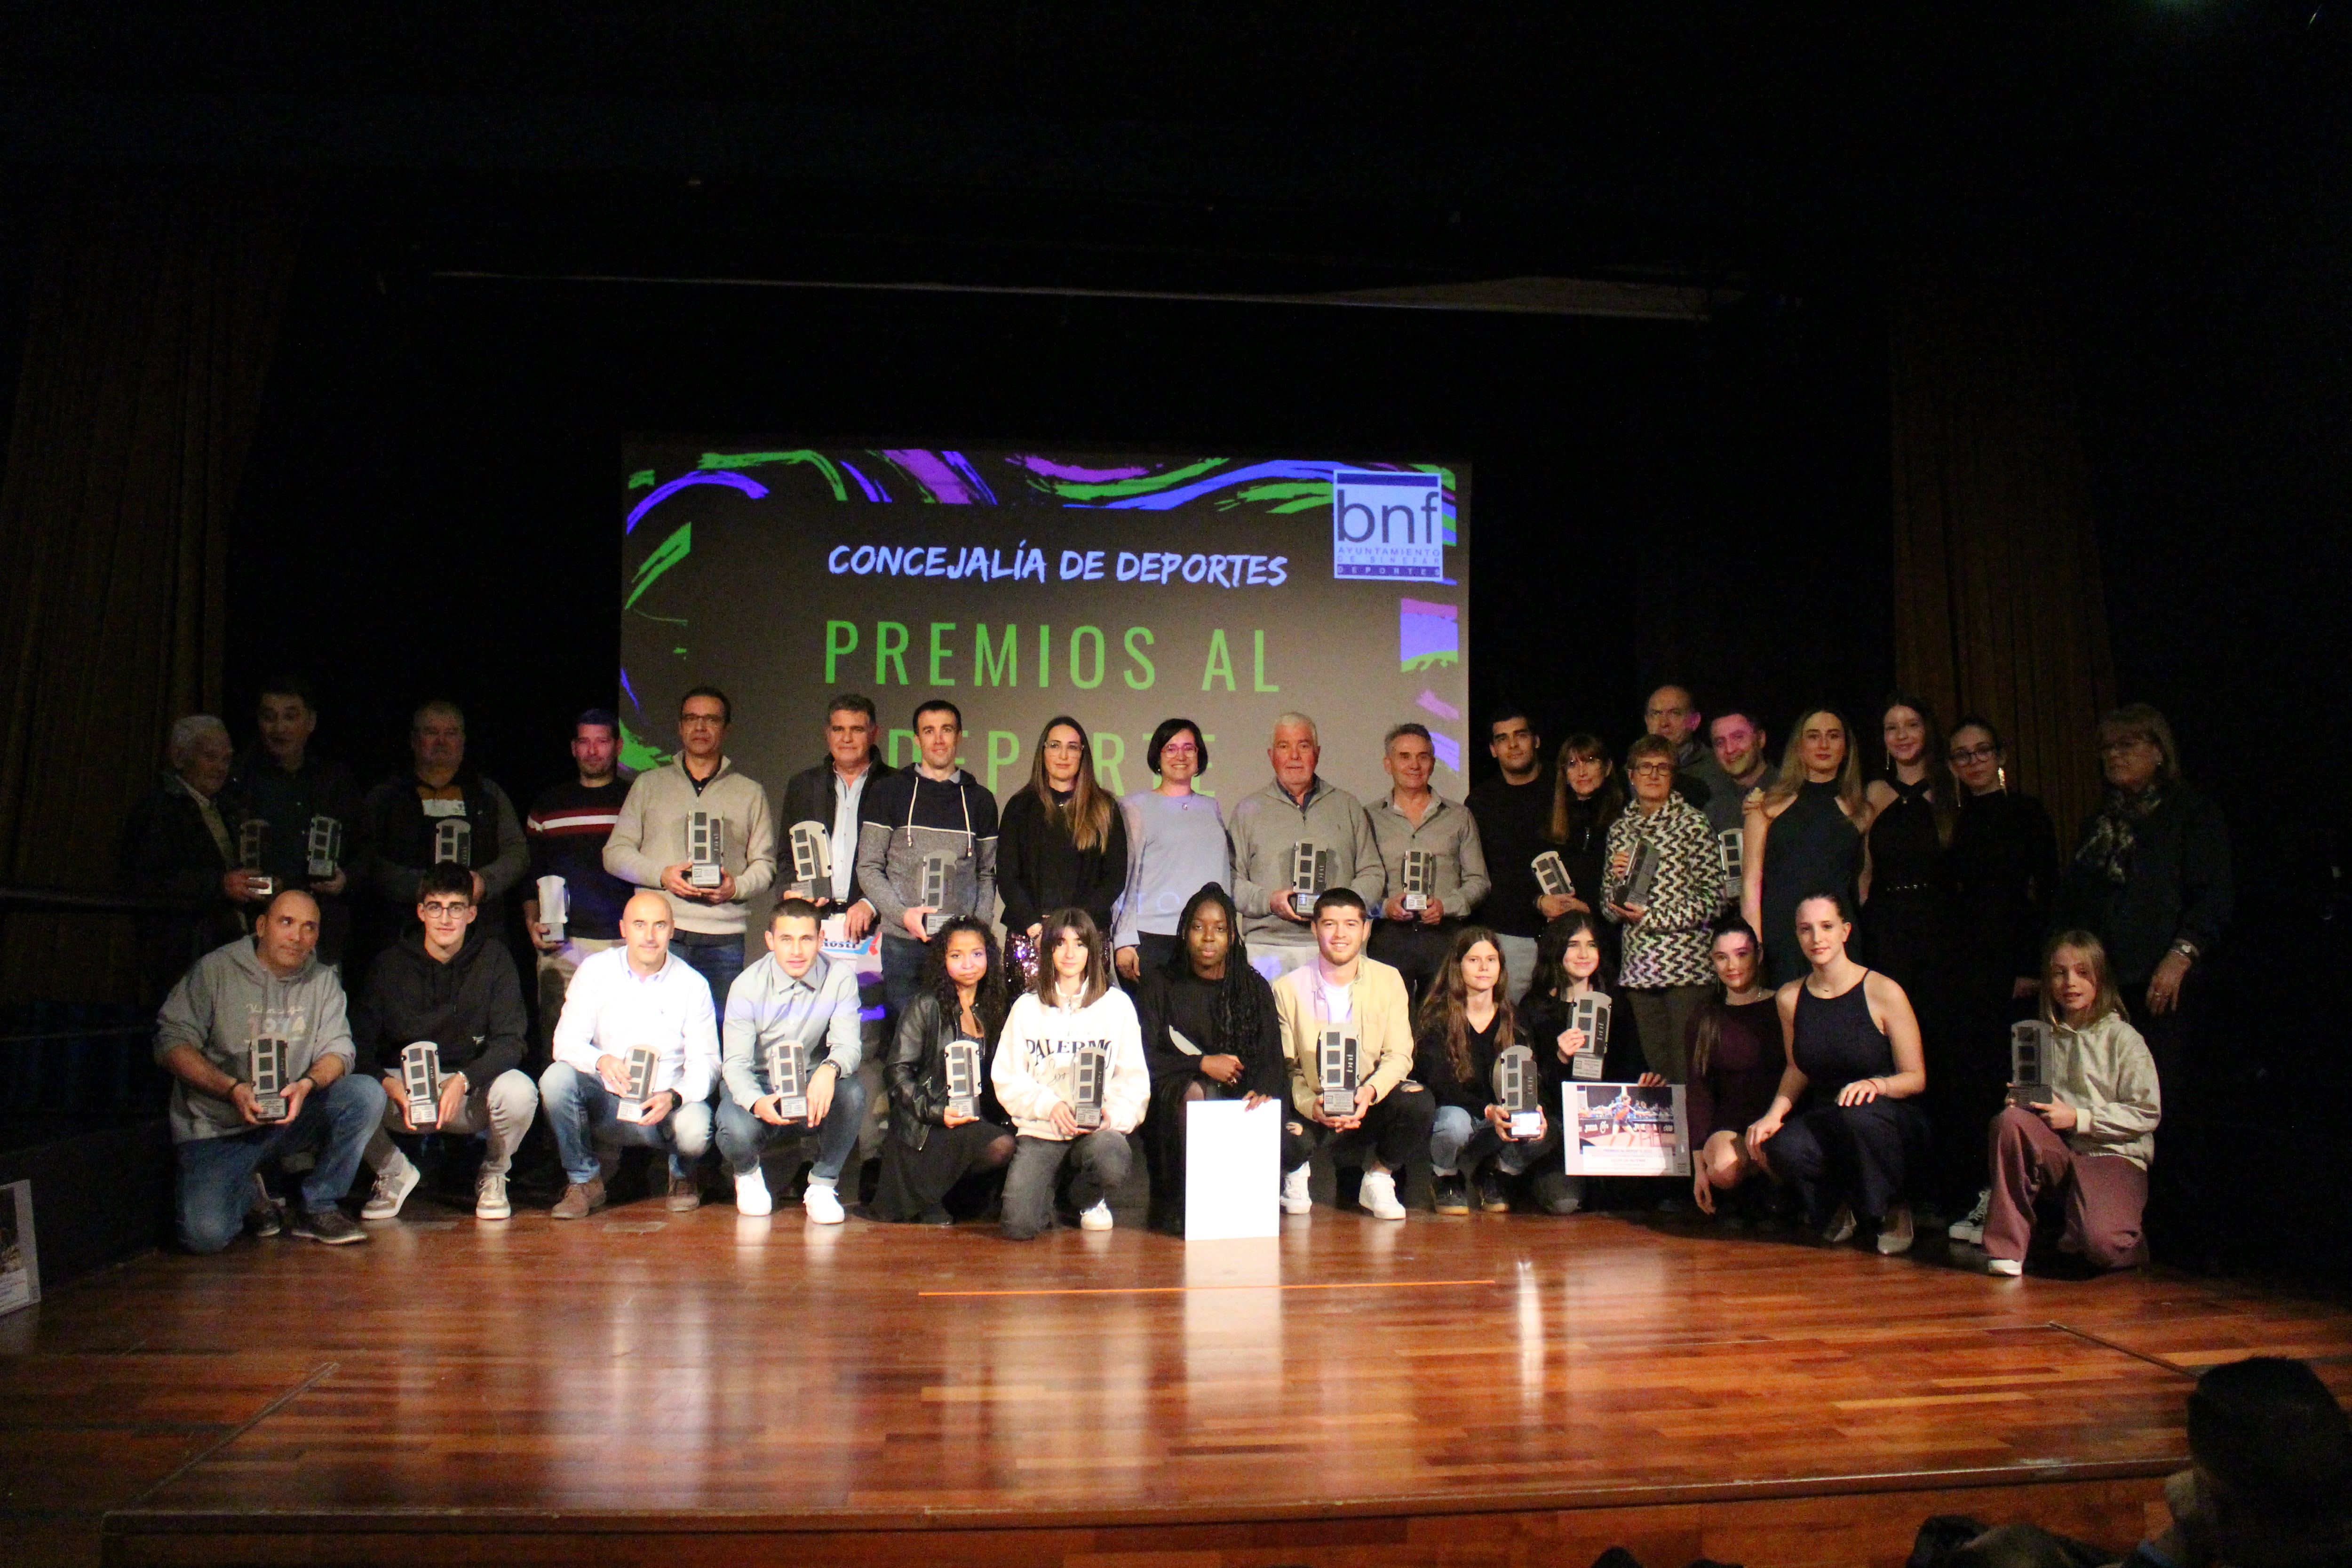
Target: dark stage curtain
[(152, 320), (1997, 607)]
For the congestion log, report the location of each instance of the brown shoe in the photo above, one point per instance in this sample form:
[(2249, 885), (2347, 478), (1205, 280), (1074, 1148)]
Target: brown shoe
[(580, 1200), (683, 1196)]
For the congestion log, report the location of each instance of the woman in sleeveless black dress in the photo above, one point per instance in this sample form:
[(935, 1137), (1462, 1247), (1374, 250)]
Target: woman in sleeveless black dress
[(1906, 910), (1803, 835), (1844, 1130)]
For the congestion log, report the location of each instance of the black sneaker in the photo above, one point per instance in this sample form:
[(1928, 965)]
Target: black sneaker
[(1493, 1195), (1452, 1194), (333, 1226), (267, 1216)]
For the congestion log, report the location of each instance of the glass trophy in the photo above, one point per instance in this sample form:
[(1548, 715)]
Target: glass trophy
[(706, 848), (1552, 880), (787, 1064), (1518, 1091), (1335, 1072), (252, 844), (1590, 1014), (554, 904), (1306, 869), (1419, 879), (265, 1068), (935, 893), (811, 860), (1094, 1065), (643, 1062), (2029, 1064), (420, 1080), (1641, 876), (322, 848), (453, 842), (963, 1062), (1731, 845)]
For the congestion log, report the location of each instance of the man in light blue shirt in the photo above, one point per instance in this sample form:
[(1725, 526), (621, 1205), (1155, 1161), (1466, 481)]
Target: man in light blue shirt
[(794, 995)]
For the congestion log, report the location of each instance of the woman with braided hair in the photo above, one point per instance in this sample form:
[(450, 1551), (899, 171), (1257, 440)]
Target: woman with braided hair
[(1209, 1032)]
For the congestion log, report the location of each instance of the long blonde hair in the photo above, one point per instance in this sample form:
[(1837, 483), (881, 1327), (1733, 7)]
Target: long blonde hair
[(1087, 817), (1793, 766), (2110, 998)]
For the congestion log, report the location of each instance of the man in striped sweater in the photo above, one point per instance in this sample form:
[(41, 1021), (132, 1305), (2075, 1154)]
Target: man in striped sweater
[(567, 828)]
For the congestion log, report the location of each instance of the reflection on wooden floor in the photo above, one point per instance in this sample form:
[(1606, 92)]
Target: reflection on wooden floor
[(1480, 1390)]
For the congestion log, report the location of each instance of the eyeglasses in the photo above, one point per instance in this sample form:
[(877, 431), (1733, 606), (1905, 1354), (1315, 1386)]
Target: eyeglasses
[(446, 911), (1975, 753), (1653, 770)]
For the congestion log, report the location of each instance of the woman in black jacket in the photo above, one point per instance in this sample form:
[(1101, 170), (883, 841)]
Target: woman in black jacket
[(1209, 1032), (1466, 1021), (930, 1146), (1061, 842)]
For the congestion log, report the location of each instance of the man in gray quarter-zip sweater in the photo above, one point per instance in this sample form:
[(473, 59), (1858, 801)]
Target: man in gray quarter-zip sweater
[(1265, 828)]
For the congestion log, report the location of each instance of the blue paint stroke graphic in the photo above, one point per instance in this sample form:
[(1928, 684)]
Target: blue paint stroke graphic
[(873, 492), (749, 487), (964, 468)]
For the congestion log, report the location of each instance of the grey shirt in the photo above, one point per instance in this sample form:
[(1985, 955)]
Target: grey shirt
[(765, 1007), (1446, 830), (230, 999), (1264, 829)]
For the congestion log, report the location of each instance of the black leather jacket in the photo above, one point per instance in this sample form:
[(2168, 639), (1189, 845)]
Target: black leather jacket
[(918, 1076)]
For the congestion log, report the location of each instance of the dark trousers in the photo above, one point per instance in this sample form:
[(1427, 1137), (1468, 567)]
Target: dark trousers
[(1393, 1131), (1163, 1132), (1152, 952), (1416, 952), (717, 961), (1099, 1161), (2180, 1215), (1862, 1156), (902, 977)]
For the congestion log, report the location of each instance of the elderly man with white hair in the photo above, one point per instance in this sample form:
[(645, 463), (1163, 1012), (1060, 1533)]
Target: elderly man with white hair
[(1266, 829), (177, 846)]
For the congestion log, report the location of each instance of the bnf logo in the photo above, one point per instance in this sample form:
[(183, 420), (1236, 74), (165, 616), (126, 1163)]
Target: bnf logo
[(1388, 525)]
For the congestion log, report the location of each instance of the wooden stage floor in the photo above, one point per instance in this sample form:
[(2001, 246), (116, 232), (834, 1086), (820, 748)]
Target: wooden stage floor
[(1488, 1390)]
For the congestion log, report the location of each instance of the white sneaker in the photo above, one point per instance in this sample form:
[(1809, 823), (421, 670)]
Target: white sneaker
[(2007, 1268), (1971, 1228), (751, 1194), (1294, 1192), (822, 1203), (490, 1197), (1377, 1194), (1097, 1217), (392, 1185)]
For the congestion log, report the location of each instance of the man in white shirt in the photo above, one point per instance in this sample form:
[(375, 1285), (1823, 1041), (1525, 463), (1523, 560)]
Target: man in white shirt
[(639, 993)]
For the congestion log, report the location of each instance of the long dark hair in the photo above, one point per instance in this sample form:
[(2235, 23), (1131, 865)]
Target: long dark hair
[(1085, 816), (1707, 1026), (1550, 976), (1049, 936), (1445, 1010), (1239, 1009), (1608, 801), (992, 1000), (1942, 782)]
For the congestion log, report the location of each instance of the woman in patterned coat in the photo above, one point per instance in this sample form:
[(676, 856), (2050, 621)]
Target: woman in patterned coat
[(1665, 973)]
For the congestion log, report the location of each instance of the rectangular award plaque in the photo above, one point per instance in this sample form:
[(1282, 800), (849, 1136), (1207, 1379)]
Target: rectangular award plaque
[(787, 1065), (962, 1063), (265, 1068), (252, 846), (644, 1061), (1552, 880), (322, 847), (2029, 1064), (935, 893), (1731, 847), (554, 905), (1518, 1090), (420, 1081), (1419, 879), (1335, 1072), (1306, 866), (811, 860), (1093, 1066), (453, 842), (1641, 874), (706, 848), (1590, 1014)]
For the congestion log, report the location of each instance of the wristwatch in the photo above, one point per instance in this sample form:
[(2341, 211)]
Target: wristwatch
[(2187, 950)]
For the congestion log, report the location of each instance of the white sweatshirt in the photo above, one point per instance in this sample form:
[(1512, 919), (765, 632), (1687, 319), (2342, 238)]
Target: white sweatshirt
[(1037, 1062)]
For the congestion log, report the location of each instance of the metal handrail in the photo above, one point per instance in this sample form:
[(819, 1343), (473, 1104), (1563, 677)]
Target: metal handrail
[(61, 901)]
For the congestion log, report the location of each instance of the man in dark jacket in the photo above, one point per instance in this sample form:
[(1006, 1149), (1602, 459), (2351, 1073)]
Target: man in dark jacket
[(442, 810), (447, 983), (177, 846), (308, 808)]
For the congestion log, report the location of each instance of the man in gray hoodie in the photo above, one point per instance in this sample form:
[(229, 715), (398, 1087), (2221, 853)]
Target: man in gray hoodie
[(268, 986)]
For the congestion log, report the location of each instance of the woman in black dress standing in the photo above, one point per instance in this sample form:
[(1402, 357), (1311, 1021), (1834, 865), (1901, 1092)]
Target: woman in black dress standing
[(2004, 869), (1907, 906), (1803, 835), (1589, 795)]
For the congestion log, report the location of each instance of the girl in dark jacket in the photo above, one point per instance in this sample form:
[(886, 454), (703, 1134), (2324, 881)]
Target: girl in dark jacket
[(931, 1147)]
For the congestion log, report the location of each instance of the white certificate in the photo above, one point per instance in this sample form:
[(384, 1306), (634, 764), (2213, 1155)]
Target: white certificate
[(1232, 1169)]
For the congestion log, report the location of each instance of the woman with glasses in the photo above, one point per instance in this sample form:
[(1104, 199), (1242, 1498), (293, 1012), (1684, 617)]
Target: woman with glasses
[(2005, 868), (1802, 836), (1062, 843), (1665, 972), (1176, 844)]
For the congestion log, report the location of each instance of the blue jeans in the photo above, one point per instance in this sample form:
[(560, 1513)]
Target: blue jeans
[(1461, 1141), (902, 978), (215, 1184), (743, 1136), (718, 963), (581, 1111)]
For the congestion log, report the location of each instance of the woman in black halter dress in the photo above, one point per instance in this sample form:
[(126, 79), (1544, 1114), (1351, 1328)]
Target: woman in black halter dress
[(1906, 920), (1845, 1130), (1803, 835)]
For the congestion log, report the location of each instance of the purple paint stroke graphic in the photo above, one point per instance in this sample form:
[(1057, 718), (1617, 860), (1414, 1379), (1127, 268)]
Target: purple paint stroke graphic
[(1428, 634), (873, 492), (972, 476), (1448, 749), (1431, 702), (1168, 501), (1048, 469), (944, 483), (751, 487)]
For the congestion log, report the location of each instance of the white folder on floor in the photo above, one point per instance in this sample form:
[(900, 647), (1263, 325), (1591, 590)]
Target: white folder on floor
[(1232, 1169)]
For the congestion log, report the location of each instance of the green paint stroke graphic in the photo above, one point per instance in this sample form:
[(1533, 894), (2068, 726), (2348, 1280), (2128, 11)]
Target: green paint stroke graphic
[(637, 755), (668, 553), (1287, 496), (643, 479), (817, 461), (1071, 490), (1431, 660)]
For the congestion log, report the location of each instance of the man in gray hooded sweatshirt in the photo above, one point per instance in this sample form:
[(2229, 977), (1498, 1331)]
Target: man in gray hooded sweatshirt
[(267, 986)]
